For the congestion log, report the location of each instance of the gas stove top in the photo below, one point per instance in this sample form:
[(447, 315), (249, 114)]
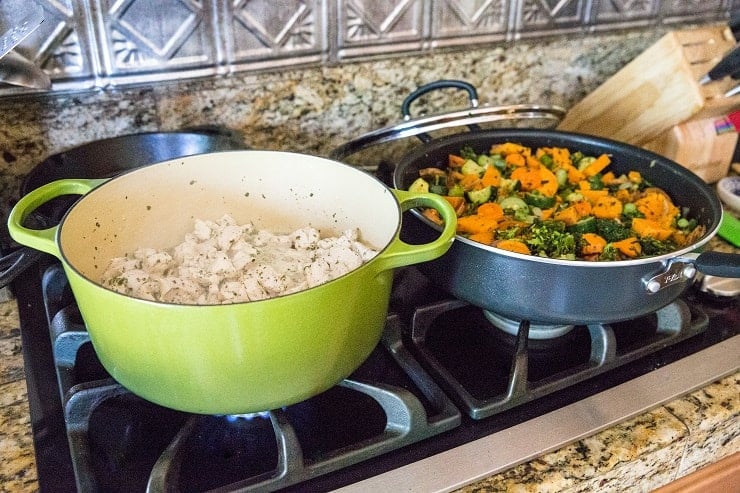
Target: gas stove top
[(444, 387)]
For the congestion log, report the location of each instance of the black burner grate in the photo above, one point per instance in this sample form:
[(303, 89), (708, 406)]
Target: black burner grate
[(120, 442), (488, 370)]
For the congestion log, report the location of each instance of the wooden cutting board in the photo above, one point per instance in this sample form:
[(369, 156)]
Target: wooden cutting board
[(658, 89)]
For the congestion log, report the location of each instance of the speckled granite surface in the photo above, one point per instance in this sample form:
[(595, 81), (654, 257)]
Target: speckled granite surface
[(314, 111), (638, 455), (310, 110)]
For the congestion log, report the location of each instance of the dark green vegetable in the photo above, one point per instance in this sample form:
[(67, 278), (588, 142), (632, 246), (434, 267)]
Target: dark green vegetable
[(595, 182), (610, 252), (550, 239), (468, 153), (612, 230), (538, 199), (651, 246), (585, 225)]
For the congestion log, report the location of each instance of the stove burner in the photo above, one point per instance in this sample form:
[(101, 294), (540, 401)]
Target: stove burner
[(120, 442), (536, 331), (488, 371), (435, 352)]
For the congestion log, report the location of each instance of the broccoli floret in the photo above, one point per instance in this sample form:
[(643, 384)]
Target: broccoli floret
[(610, 252), (508, 233), (595, 182), (612, 230), (467, 152), (550, 239), (651, 246)]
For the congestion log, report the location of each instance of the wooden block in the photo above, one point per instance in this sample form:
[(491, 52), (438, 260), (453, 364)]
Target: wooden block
[(658, 89), (704, 146)]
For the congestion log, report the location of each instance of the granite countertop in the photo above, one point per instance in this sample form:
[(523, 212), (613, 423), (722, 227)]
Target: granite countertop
[(314, 111)]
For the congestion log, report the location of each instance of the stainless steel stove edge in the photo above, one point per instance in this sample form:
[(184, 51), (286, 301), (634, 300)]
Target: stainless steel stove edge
[(503, 450)]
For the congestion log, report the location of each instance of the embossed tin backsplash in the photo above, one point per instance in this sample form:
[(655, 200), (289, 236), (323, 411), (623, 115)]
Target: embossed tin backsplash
[(88, 44)]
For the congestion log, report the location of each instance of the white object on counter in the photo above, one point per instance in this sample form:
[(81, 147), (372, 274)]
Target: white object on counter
[(728, 189)]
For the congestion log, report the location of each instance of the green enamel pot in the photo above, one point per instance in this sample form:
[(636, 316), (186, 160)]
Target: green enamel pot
[(242, 357)]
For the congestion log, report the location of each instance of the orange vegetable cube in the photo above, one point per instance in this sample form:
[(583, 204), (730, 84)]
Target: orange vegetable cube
[(547, 213), (491, 177), (528, 177), (476, 224), (485, 237), (515, 160), (513, 246), (574, 174), (560, 156), (607, 208), (646, 228), (594, 195), (457, 203), (629, 247), (657, 206), (548, 182), (608, 178), (510, 148), (592, 244), (470, 182), (569, 215), (583, 208), (491, 210), (597, 165), (533, 162), (432, 215)]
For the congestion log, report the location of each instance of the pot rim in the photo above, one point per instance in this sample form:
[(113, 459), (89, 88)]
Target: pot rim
[(142, 169), (392, 251)]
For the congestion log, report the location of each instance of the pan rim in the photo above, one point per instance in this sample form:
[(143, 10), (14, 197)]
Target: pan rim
[(712, 200)]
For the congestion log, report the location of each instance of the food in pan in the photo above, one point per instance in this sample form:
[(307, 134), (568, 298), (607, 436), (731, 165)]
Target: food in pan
[(223, 262), (557, 203)]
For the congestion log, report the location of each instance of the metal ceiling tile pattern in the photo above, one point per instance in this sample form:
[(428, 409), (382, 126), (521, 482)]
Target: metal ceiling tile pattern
[(86, 44)]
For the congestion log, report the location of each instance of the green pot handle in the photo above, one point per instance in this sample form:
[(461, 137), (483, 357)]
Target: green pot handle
[(400, 253), (44, 239)]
